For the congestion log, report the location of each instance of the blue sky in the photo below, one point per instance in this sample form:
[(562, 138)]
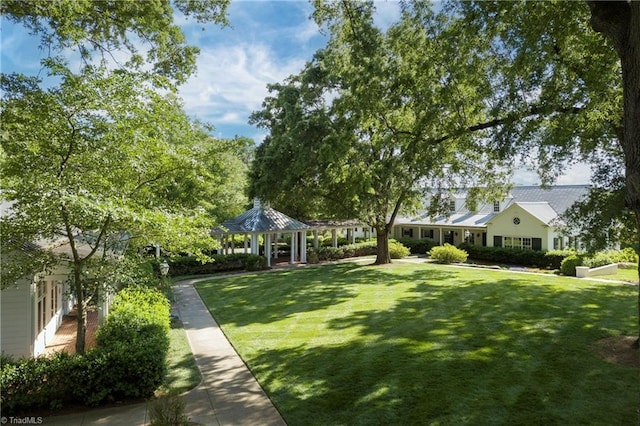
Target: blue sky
[(266, 42)]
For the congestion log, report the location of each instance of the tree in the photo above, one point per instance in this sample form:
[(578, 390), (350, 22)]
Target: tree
[(376, 117), (551, 55), (94, 161), (144, 29), (620, 23), (102, 153)]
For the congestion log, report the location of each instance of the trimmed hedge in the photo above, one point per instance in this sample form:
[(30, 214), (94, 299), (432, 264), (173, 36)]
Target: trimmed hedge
[(540, 259), (369, 248), (418, 246), (189, 265), (129, 361), (346, 251)]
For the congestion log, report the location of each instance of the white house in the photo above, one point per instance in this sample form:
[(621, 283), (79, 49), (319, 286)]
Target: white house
[(529, 217), (32, 309)]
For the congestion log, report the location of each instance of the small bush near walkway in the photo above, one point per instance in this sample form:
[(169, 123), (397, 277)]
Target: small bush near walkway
[(128, 362), (447, 254)]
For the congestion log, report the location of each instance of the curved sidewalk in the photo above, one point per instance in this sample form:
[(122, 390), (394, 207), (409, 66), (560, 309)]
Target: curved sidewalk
[(228, 393)]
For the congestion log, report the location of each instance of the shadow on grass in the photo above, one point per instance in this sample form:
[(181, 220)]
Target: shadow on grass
[(452, 348), (264, 298)]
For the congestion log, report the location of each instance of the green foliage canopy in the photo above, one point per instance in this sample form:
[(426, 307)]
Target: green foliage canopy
[(375, 118), (144, 29)]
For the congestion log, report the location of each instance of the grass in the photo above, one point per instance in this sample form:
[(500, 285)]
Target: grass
[(183, 373), (628, 273), (429, 344)]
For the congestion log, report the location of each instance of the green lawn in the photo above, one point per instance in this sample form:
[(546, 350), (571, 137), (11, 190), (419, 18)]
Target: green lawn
[(430, 344), (182, 371), (629, 274)]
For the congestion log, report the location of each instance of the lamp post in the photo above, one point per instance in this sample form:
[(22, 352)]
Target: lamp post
[(164, 268)]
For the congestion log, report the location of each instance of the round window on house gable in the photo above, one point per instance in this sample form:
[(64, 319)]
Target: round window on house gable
[(516, 221)]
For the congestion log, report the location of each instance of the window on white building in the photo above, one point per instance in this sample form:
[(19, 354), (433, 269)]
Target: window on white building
[(496, 206), (426, 233), (523, 243), (407, 232), (452, 205)]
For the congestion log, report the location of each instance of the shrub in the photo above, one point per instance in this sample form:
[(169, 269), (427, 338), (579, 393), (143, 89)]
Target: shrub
[(568, 266), (447, 254), (397, 250), (418, 246), (598, 259), (129, 361), (330, 253), (168, 411), (136, 339), (626, 255), (312, 256), (190, 265), (541, 259), (38, 383)]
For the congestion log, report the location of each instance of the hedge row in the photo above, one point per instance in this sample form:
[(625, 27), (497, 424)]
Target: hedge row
[(369, 248), (540, 259), (189, 265), (418, 246), (563, 260), (129, 361)]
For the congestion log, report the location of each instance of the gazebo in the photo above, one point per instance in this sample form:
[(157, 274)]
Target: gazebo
[(265, 221)]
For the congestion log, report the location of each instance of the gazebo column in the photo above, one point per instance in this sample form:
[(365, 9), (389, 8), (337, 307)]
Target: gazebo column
[(303, 247), (246, 244), (334, 238), (275, 245), (294, 238), (353, 235), (267, 248), (316, 242), (440, 238), (233, 244), (255, 241)]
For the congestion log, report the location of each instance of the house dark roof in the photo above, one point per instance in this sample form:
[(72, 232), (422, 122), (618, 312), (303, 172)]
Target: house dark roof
[(327, 224), (547, 204), (560, 197), (258, 220)]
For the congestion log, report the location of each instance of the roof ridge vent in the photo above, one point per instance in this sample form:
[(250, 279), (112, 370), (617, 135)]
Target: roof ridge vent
[(259, 204)]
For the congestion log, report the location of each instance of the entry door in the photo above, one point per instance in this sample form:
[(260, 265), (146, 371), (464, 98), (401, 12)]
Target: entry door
[(448, 237)]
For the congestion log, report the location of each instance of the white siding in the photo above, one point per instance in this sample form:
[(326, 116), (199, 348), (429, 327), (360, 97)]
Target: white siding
[(531, 227), (17, 317)]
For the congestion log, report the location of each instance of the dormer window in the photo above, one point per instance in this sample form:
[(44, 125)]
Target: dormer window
[(496, 206), (452, 205)]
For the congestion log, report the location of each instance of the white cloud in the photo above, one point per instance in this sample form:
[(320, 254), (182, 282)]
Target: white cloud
[(576, 174), (232, 81)]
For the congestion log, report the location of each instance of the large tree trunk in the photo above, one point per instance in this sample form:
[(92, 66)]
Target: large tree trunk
[(620, 22), (382, 241)]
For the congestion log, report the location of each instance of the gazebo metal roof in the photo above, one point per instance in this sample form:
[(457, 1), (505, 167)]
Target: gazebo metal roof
[(260, 219)]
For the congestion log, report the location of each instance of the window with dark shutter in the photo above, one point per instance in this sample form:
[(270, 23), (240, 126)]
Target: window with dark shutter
[(497, 241), (536, 243)]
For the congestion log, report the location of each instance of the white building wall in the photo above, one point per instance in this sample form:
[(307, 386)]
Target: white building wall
[(529, 227), (16, 319)]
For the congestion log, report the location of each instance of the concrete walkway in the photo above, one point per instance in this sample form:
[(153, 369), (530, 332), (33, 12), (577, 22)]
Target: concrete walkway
[(228, 393)]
